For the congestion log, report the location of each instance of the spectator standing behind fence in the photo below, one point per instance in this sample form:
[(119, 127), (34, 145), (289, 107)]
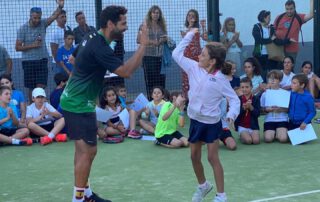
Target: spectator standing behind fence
[(152, 59), (64, 52), (231, 39), (82, 29), (263, 33), (193, 50), (290, 22), (31, 42), (5, 61), (57, 40)]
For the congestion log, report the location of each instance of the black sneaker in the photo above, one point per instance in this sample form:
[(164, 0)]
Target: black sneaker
[(95, 198)]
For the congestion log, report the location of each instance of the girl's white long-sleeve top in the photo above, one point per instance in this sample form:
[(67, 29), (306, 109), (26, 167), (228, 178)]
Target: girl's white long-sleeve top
[(206, 89)]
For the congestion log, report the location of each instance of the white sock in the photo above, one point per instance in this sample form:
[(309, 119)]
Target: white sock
[(204, 185), (15, 141), (51, 135), (88, 191), (222, 195), (78, 194)]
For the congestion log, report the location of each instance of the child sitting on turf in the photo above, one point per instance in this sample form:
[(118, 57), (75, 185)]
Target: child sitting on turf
[(276, 119), (61, 80), (247, 122), (9, 132), (44, 120), (226, 136), (301, 107), (17, 98), (133, 115), (149, 117), (64, 53), (314, 80), (171, 116), (252, 70)]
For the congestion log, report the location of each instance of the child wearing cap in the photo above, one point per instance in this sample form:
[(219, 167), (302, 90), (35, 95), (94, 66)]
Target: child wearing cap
[(44, 120)]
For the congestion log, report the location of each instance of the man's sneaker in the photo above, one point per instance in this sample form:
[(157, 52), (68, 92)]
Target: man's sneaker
[(134, 134), (95, 198), (26, 141), (45, 140), (61, 137), (220, 199), (200, 193)]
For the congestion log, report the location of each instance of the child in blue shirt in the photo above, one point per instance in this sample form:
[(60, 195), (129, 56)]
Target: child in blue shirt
[(64, 53), (301, 107), (17, 98), (61, 80), (9, 132)]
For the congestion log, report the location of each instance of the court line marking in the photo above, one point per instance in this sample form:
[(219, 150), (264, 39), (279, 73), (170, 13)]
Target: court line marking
[(286, 196)]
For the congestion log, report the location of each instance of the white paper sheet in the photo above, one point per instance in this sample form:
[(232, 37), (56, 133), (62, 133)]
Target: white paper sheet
[(103, 115), (140, 102), (279, 98), (298, 136), (124, 117)]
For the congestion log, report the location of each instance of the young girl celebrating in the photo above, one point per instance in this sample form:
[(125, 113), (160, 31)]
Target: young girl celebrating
[(231, 39), (207, 88), (252, 70), (171, 116), (149, 117), (17, 97), (247, 123)]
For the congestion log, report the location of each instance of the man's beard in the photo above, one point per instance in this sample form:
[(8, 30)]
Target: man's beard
[(116, 35)]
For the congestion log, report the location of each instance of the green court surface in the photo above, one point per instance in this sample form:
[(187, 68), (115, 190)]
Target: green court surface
[(139, 171)]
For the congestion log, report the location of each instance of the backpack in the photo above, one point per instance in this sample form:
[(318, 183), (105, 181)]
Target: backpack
[(300, 21)]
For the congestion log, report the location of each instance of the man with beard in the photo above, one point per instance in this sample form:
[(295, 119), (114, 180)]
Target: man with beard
[(57, 39), (31, 42), (93, 57), (288, 25)]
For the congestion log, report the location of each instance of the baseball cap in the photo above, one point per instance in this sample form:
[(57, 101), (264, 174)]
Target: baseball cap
[(38, 92)]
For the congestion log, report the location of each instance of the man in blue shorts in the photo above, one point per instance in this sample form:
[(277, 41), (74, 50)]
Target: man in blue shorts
[(93, 57)]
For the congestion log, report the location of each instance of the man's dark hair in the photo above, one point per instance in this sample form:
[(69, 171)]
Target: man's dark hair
[(78, 13), (290, 2), (262, 15), (60, 77), (63, 12), (111, 13)]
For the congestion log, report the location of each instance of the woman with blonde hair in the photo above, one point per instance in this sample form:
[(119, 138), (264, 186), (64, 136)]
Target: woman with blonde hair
[(153, 55)]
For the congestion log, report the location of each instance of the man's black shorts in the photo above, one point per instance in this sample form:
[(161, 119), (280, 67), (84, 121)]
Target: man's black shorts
[(82, 126)]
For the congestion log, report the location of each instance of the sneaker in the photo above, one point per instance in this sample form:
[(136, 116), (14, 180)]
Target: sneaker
[(114, 139), (26, 141), (220, 199), (134, 134), (45, 140), (144, 132), (95, 198), (200, 193), (61, 137)]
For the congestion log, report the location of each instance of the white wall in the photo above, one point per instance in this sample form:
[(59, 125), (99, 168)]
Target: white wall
[(13, 13)]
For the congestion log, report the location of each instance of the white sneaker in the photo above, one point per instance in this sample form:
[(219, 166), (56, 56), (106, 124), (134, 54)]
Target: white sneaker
[(220, 199), (144, 132), (200, 193)]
